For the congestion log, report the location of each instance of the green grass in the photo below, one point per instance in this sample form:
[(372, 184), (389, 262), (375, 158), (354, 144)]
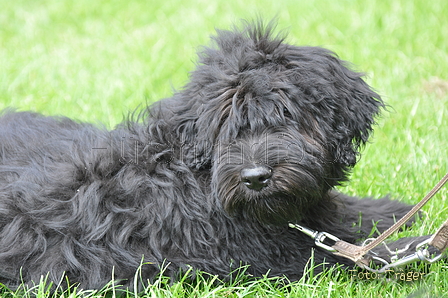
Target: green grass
[(97, 60)]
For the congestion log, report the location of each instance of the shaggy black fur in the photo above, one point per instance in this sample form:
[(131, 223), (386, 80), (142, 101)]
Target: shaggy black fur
[(209, 178)]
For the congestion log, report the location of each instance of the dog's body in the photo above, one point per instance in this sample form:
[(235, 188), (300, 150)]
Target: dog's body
[(208, 178)]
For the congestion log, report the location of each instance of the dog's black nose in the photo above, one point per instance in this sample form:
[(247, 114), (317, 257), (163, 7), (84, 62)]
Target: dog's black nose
[(256, 178)]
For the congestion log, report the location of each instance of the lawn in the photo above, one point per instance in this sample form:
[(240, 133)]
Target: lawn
[(97, 60)]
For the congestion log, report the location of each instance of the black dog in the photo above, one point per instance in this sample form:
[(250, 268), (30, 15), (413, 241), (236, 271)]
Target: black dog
[(209, 178)]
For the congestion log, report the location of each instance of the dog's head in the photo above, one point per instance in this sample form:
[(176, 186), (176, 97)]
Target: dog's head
[(279, 125)]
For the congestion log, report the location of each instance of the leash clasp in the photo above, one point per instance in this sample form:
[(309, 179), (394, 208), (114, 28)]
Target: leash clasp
[(318, 237), (421, 254)]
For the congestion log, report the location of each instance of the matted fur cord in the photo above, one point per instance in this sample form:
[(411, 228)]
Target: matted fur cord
[(356, 253)]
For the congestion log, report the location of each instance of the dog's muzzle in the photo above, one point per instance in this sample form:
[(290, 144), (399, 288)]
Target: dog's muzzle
[(256, 177)]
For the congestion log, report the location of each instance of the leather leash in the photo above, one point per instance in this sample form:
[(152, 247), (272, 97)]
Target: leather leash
[(358, 253)]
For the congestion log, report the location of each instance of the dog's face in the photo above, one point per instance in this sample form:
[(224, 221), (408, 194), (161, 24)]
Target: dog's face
[(279, 125)]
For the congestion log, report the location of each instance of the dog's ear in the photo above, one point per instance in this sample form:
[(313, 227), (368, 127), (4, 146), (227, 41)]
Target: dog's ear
[(339, 100), (351, 110), (192, 123)]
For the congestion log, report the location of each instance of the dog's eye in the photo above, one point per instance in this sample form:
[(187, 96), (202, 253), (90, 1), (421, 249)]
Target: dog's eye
[(286, 113)]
